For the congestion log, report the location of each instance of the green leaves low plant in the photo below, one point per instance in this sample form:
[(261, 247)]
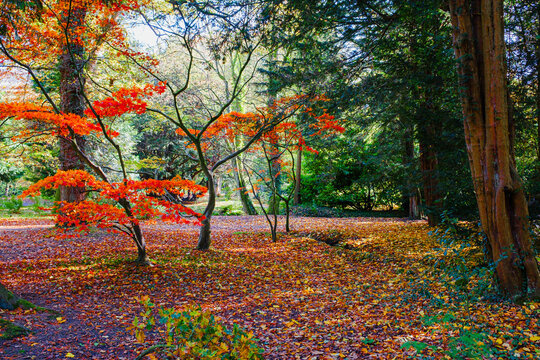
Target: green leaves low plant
[(192, 334)]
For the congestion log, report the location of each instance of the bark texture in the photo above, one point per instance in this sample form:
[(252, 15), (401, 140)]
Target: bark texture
[(478, 41), (204, 232), (71, 98)]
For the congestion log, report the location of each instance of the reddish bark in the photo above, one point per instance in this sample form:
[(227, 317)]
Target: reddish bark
[(478, 41)]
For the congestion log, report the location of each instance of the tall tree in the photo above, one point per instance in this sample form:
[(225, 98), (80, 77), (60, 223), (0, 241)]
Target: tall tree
[(478, 41), (72, 81)]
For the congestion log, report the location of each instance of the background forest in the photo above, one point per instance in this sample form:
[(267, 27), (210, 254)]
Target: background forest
[(390, 79)]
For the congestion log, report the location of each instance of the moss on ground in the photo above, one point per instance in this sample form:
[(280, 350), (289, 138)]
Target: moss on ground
[(9, 330)]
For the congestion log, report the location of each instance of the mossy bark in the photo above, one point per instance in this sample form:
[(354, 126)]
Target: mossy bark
[(8, 300)]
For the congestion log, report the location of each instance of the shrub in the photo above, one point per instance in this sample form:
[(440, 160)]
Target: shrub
[(192, 334), (13, 205)]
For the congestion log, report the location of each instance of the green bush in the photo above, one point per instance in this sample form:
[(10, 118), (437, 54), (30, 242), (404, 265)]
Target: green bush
[(13, 205), (192, 334)]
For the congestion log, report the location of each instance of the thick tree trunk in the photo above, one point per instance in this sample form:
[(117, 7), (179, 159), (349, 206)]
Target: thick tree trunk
[(71, 97), (478, 41), (298, 176), (8, 300)]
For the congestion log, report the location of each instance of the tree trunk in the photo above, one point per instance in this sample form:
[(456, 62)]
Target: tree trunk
[(245, 200), (204, 233), (142, 257), (219, 185), (287, 216), (298, 179), (274, 201), (71, 97), (137, 235), (411, 199), (430, 181), (8, 300), (537, 53), (478, 41)]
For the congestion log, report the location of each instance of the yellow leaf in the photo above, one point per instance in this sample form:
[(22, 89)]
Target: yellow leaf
[(70, 355), (534, 338), (140, 336), (60, 320)]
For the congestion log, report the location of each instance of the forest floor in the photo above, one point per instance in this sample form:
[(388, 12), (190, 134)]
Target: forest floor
[(377, 295)]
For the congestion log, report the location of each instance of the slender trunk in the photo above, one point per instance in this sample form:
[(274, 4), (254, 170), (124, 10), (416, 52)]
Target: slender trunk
[(136, 234), (273, 206), (537, 53), (219, 185), (142, 257), (71, 97), (275, 200), (287, 217), (8, 300), (298, 178), (428, 166), (414, 206), (245, 200), (478, 41), (204, 233), (410, 198)]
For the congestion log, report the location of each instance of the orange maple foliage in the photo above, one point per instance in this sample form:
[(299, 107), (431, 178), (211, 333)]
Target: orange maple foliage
[(125, 100), (40, 34), (277, 120), (62, 124), (144, 198)]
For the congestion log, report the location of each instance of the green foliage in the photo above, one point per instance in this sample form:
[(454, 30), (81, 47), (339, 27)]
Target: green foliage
[(193, 334), (457, 276), (229, 209), (467, 343), (9, 172), (13, 205)]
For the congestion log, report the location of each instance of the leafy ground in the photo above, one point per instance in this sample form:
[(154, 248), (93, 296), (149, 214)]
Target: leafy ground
[(378, 296)]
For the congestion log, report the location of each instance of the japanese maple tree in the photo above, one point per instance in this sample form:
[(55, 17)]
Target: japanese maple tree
[(117, 206), (56, 42), (277, 146)]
